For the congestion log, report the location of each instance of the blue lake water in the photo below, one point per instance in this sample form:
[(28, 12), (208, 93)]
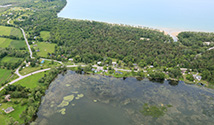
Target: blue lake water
[(175, 14)]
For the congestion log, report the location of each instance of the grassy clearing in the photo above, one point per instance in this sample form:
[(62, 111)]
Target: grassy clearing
[(4, 75), (6, 42), (31, 81), (45, 65), (16, 32), (45, 35), (11, 60), (17, 44), (7, 31), (44, 48), (18, 109)]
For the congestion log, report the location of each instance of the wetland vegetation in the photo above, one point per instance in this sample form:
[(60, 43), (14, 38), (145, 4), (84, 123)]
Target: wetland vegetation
[(134, 101)]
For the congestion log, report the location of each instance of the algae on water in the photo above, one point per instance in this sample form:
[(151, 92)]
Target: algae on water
[(62, 111), (66, 101), (79, 96), (75, 92), (67, 85), (154, 111)]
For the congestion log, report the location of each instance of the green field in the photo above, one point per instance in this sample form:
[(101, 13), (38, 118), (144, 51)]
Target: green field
[(45, 35), (6, 42), (18, 109), (31, 81), (4, 75), (44, 48), (7, 31), (11, 60), (17, 44)]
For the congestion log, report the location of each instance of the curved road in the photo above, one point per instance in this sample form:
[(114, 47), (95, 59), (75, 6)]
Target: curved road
[(8, 22), (43, 70), (23, 32), (22, 77), (17, 72), (53, 60), (201, 53)]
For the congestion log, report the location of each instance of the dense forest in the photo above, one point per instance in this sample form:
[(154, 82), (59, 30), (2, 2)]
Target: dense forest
[(90, 41)]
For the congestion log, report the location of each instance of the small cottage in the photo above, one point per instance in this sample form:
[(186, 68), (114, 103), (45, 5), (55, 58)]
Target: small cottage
[(99, 63), (183, 70), (70, 59), (114, 64), (9, 110)]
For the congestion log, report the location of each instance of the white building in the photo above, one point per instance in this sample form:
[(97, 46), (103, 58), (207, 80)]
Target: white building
[(70, 59), (114, 64), (99, 63)]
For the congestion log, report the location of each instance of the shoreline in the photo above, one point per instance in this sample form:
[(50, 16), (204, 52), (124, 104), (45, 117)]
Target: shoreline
[(173, 32), (4, 6)]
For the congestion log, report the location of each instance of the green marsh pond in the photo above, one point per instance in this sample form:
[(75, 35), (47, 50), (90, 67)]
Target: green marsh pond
[(77, 99)]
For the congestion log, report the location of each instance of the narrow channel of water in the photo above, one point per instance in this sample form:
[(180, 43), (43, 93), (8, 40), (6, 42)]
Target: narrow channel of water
[(101, 100)]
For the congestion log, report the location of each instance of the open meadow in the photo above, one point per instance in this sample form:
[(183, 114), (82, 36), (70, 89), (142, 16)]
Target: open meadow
[(7, 31), (6, 42), (44, 48), (11, 60), (4, 75), (31, 81)]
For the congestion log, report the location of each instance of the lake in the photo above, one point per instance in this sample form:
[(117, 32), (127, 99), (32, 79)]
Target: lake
[(162, 14), (101, 100)]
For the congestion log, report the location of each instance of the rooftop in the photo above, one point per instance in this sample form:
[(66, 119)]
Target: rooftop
[(8, 110)]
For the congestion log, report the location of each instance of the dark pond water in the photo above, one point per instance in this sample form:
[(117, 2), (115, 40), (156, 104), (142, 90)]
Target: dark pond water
[(100, 100)]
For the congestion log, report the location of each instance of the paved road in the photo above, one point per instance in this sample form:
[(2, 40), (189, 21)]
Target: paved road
[(17, 72), (8, 22), (201, 53), (210, 49), (23, 32), (53, 60), (43, 70), (22, 77), (69, 66)]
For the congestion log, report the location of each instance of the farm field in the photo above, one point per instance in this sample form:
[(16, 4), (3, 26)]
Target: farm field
[(4, 75), (44, 48), (7, 31), (6, 42), (31, 81), (17, 44), (12, 60), (45, 35)]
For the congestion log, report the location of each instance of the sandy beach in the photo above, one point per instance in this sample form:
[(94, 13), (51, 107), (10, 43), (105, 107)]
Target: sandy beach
[(5, 5)]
